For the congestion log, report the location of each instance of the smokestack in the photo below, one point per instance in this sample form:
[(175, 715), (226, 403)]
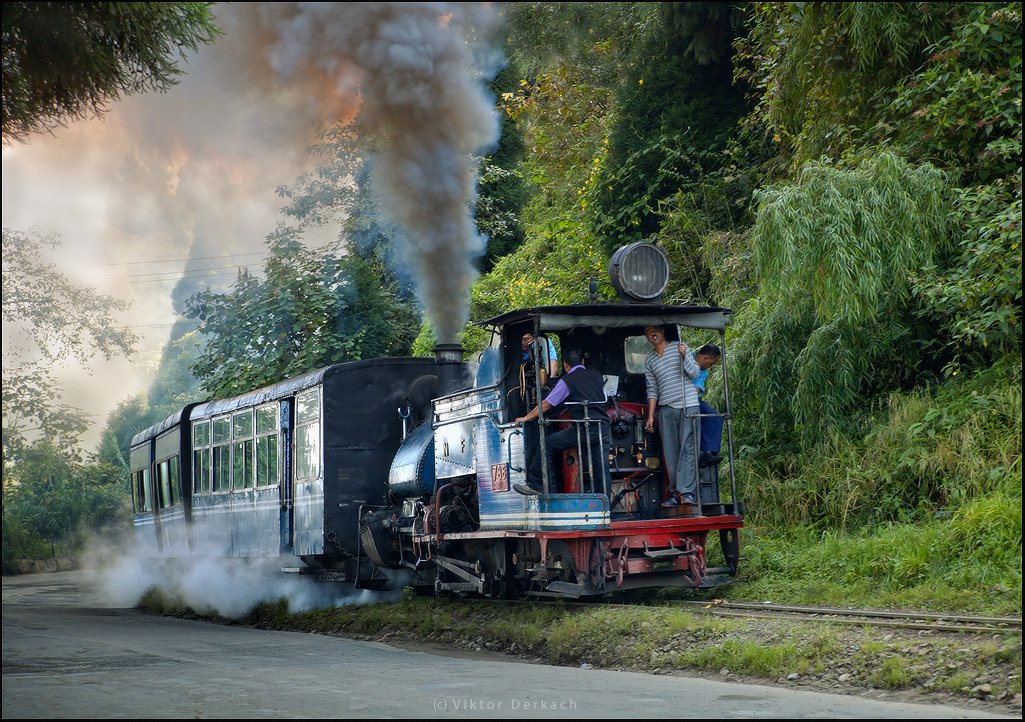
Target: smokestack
[(449, 357)]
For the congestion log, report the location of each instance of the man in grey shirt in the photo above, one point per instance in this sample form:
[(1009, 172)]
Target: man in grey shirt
[(669, 371)]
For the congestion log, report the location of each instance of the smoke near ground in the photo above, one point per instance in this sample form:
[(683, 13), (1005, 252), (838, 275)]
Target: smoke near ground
[(220, 586)]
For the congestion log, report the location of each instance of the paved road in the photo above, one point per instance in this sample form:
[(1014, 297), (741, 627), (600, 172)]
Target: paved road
[(67, 655)]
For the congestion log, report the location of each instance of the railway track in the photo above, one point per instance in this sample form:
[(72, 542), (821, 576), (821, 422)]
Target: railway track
[(834, 615), (863, 617)]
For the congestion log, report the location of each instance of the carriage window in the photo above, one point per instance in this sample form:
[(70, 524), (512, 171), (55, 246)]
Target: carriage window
[(164, 484), (201, 457), (242, 425), (201, 470), (635, 351), (200, 434), (222, 468), (222, 455), (222, 431), (307, 407), (267, 446), (176, 480), (242, 450), (307, 435), (267, 419), (142, 495), (169, 483)]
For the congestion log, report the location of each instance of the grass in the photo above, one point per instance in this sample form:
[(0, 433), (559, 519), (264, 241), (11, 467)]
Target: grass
[(968, 563), (893, 673), (924, 511), (749, 658)]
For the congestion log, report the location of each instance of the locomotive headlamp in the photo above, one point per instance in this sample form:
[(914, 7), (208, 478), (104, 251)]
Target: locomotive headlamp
[(639, 272)]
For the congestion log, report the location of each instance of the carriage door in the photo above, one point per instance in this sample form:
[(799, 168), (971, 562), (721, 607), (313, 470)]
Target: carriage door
[(285, 476)]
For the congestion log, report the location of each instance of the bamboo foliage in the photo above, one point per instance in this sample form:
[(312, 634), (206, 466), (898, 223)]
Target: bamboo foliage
[(836, 254)]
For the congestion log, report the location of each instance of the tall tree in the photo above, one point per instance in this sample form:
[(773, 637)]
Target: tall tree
[(311, 310), (677, 106), (56, 321), (64, 61)]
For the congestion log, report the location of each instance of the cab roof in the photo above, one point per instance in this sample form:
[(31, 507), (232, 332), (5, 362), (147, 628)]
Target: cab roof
[(614, 315)]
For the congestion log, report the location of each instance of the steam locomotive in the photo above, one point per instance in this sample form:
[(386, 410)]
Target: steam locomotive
[(400, 471)]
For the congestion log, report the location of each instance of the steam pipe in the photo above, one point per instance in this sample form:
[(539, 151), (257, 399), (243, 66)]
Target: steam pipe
[(449, 357)]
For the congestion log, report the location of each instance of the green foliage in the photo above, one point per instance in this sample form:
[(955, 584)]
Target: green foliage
[(574, 56), (962, 108), (835, 254), (32, 407), (597, 35), (552, 267), (311, 311), (50, 495), (822, 72), (53, 321), (926, 452), (127, 419), (627, 193), (705, 227), (59, 319), (706, 28), (64, 61), (502, 187), (978, 294), (19, 542), (674, 114), (173, 386), (502, 194)]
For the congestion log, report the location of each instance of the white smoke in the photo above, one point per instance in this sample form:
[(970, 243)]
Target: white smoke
[(225, 587)]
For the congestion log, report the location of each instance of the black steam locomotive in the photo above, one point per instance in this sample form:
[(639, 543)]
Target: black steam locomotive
[(401, 470)]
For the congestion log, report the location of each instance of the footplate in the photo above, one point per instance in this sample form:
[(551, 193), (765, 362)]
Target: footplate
[(671, 553)]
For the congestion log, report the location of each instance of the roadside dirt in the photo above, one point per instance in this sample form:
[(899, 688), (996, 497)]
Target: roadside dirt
[(974, 672)]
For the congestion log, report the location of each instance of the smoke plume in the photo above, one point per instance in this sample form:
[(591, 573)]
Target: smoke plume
[(425, 113)]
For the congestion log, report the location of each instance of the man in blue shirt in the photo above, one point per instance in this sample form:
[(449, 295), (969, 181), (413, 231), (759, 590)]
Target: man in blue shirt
[(548, 354), (711, 421)]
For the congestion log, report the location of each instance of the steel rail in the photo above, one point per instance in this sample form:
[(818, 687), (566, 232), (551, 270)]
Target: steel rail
[(851, 620), (864, 617), (995, 622)]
